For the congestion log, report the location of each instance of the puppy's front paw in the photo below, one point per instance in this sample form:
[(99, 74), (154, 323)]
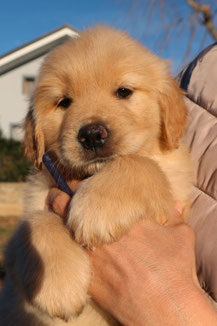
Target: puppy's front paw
[(65, 283), (98, 215), (107, 204), (52, 269)]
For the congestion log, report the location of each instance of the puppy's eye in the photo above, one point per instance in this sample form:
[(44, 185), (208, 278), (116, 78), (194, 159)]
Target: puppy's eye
[(123, 92), (65, 103)]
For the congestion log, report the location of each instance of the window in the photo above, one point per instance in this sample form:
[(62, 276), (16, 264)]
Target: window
[(28, 85), (16, 132)]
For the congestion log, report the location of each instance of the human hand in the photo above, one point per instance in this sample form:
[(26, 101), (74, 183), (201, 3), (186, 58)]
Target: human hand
[(149, 277)]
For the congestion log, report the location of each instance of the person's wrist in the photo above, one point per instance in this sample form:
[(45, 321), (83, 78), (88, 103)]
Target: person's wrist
[(169, 303), (177, 301), (191, 305)]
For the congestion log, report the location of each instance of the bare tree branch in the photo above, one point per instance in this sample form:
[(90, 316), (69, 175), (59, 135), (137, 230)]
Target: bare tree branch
[(207, 17), (169, 24)]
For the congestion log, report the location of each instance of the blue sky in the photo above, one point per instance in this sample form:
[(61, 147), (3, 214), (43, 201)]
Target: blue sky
[(22, 21)]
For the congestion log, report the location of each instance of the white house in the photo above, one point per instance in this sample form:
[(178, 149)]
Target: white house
[(18, 70)]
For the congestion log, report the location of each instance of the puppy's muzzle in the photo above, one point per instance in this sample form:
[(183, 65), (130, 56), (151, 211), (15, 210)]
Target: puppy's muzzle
[(93, 136)]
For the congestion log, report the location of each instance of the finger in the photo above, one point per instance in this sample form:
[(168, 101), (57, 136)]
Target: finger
[(176, 217), (178, 207), (60, 204), (52, 194), (74, 184), (58, 201)]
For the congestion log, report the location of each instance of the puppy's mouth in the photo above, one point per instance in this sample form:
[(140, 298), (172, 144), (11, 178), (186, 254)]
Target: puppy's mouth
[(92, 148), (62, 175), (89, 163), (91, 166), (96, 155)]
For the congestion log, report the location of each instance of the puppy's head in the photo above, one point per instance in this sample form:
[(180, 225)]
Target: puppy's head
[(100, 96)]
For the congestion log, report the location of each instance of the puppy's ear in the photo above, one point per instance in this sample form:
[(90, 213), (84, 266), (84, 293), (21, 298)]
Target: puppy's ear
[(173, 115), (33, 139)]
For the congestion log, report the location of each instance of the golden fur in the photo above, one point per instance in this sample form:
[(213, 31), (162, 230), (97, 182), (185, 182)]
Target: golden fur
[(138, 173)]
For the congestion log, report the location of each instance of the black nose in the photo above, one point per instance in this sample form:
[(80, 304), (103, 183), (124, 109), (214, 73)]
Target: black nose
[(93, 136)]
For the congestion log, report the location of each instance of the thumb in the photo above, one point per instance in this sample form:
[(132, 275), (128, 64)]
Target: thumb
[(176, 217)]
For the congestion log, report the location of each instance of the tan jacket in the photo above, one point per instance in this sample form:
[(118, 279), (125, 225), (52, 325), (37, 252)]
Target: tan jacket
[(199, 80)]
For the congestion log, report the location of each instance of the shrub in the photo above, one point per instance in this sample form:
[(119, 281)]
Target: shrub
[(13, 164)]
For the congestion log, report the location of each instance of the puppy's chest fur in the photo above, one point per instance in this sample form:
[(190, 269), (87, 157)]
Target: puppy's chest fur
[(104, 207)]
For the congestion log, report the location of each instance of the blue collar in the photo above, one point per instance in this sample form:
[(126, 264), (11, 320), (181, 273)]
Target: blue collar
[(55, 173)]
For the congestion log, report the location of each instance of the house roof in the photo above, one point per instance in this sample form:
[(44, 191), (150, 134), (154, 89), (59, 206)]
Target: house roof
[(36, 48)]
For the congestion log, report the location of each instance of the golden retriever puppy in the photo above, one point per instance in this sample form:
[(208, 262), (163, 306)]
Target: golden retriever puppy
[(106, 111)]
